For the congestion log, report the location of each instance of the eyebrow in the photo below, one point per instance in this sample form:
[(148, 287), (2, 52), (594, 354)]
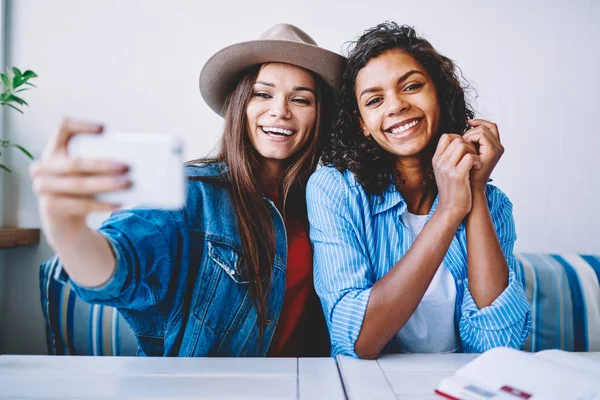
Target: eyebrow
[(402, 78), (266, 83), (294, 89)]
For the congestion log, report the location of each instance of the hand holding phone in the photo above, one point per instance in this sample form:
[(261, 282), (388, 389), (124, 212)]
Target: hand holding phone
[(155, 166), (82, 171)]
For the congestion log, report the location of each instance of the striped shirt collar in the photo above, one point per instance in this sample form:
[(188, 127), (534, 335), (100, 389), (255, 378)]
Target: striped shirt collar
[(393, 198)]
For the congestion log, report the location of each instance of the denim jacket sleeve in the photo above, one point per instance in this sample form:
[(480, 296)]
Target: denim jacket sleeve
[(342, 273), (507, 321), (147, 244)]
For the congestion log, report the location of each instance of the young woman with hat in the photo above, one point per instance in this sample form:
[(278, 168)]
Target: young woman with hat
[(413, 247), (230, 274)]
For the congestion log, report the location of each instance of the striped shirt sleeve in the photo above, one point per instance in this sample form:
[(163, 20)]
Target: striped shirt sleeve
[(342, 273), (507, 321)]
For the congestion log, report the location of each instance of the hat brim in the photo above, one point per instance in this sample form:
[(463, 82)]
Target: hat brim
[(221, 72)]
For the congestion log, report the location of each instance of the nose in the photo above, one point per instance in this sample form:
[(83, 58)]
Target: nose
[(396, 105), (279, 109)]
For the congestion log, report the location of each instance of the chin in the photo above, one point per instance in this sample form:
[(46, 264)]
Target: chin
[(406, 151), (409, 149), (275, 155), (411, 153)]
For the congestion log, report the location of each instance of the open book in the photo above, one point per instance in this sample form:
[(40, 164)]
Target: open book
[(508, 374)]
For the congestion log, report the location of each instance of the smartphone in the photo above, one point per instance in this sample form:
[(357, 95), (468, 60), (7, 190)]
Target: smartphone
[(155, 166)]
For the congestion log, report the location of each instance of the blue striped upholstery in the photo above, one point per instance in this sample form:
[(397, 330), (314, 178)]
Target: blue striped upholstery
[(563, 291), (74, 327), (565, 300)]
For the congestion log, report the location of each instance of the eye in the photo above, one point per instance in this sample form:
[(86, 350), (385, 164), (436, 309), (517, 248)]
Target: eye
[(373, 101), (413, 86), (301, 100), (262, 95)]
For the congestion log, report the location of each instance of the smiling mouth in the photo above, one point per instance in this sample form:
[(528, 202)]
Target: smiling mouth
[(403, 126), (271, 130)]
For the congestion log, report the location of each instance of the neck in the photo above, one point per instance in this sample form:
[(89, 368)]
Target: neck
[(418, 188), (270, 174)]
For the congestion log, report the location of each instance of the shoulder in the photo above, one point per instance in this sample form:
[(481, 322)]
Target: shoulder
[(203, 177), (206, 184), (334, 188), (327, 183), (206, 170), (328, 175)]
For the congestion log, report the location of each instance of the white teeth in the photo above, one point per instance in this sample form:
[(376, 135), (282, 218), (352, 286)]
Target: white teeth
[(403, 128), (286, 132)]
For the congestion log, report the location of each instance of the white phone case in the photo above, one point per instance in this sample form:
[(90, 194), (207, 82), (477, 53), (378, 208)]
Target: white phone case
[(155, 161)]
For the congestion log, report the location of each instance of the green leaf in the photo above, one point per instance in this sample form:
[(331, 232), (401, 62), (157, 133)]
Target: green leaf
[(5, 168), (30, 84), (27, 78), (29, 74), (21, 90), (17, 99), (5, 80), (17, 81), (28, 154), (11, 106), (16, 71)]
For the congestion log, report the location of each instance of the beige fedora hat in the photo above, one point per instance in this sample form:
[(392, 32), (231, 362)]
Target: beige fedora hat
[(283, 43)]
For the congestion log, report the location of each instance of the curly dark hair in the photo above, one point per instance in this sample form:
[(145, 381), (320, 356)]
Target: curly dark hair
[(347, 148)]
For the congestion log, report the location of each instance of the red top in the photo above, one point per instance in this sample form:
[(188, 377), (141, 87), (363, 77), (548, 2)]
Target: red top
[(299, 289)]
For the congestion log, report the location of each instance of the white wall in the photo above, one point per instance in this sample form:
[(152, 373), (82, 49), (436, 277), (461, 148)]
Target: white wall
[(3, 290), (134, 65)]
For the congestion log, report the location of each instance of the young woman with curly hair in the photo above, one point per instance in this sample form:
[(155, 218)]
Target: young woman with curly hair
[(412, 246)]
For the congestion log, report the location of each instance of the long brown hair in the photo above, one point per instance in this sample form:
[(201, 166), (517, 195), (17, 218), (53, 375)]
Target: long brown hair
[(243, 163)]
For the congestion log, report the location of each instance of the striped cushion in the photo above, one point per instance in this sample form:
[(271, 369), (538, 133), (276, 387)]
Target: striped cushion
[(74, 327), (563, 291), (565, 300)]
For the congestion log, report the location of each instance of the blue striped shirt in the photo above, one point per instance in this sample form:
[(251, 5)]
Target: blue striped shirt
[(358, 239)]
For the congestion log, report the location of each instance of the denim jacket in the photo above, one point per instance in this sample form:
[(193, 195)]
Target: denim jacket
[(180, 280)]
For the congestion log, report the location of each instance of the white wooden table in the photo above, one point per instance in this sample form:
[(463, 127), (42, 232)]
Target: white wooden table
[(397, 376), (403, 376), (70, 377)]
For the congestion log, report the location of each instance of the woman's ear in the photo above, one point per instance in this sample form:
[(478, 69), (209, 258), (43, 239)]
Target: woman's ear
[(363, 127)]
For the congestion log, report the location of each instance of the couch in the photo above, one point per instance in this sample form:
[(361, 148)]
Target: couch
[(563, 291)]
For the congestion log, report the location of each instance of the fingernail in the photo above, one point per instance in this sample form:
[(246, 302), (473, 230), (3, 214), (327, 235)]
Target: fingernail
[(96, 127), (123, 181), (117, 166)]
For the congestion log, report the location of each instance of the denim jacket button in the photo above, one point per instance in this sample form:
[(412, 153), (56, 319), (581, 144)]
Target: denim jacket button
[(459, 281), (269, 322)]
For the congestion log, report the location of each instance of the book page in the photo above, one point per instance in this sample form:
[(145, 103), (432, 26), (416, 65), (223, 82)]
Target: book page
[(522, 372), (571, 360), (459, 387)]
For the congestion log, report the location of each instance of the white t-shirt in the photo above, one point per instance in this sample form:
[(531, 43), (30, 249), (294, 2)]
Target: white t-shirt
[(431, 327)]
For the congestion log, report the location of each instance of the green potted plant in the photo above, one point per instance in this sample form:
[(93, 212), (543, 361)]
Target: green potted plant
[(13, 82)]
